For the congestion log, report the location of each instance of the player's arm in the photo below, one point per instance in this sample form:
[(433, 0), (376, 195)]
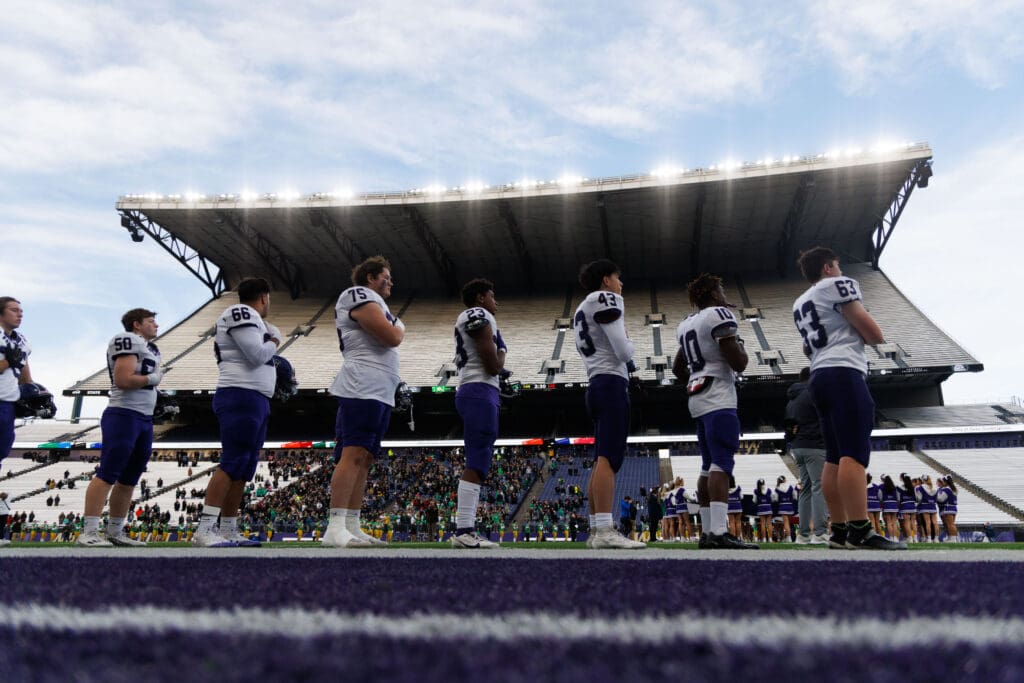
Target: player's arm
[(731, 347), (126, 378), (480, 330), (861, 320), (679, 367), (615, 329), (257, 347), (25, 375), (373, 321)]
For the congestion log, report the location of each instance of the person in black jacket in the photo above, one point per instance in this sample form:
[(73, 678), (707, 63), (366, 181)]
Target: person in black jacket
[(654, 513), (803, 433)]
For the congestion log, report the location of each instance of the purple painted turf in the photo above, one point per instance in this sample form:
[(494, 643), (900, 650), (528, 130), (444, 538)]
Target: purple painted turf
[(396, 586), (28, 656)]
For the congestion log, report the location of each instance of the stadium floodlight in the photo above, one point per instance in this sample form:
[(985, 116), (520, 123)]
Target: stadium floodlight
[(343, 193), (193, 196), (288, 195), (474, 187), (569, 180), (249, 196), (435, 189)]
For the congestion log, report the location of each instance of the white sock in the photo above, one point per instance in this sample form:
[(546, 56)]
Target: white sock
[(469, 498), (352, 521), (115, 526), (603, 520), (719, 518), (228, 526), (593, 522), (705, 519), (208, 519), (91, 525)]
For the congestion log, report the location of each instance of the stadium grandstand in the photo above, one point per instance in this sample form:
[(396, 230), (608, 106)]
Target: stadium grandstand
[(746, 223)]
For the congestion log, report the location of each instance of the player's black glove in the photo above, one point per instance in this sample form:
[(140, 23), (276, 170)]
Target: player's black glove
[(504, 374), (14, 356), (636, 386), (630, 366)]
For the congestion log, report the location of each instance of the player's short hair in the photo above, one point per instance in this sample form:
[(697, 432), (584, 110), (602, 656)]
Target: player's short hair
[(371, 267), (136, 315), (593, 274), (812, 260), (474, 288), (252, 288), (701, 289), (4, 300), (805, 374)]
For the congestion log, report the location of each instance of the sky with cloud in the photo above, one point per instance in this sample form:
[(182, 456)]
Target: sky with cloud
[(101, 100)]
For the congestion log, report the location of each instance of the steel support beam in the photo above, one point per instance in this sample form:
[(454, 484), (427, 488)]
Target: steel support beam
[(516, 235), (442, 261), (795, 215), (282, 267), (884, 226), (348, 247), (698, 231), (137, 223)]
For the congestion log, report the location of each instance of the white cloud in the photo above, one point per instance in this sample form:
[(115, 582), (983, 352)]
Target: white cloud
[(874, 41), (956, 254)]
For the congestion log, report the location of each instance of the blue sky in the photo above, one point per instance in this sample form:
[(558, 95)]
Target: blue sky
[(101, 100)]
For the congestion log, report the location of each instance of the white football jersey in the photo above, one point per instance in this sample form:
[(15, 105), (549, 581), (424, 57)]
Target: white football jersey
[(236, 369), (147, 359), (698, 336), (9, 390), (832, 340), (467, 358), (370, 369), (592, 340)]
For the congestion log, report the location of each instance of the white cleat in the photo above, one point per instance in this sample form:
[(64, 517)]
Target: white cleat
[(369, 538), (610, 538), (473, 540), (241, 541), (93, 540), (5, 541), (343, 538), (125, 541), (211, 539)]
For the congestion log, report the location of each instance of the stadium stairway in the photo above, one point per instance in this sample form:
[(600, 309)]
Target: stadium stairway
[(964, 483), (523, 511)]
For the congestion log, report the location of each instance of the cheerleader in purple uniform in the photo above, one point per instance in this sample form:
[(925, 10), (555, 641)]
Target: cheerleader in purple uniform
[(946, 498), (763, 499), (874, 504), (735, 508), (786, 506), (928, 508), (683, 509), (890, 508), (672, 512), (908, 508)]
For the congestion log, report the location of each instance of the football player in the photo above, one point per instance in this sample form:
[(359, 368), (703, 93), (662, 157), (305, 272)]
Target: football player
[(368, 336), (245, 345), (600, 333), (14, 370), (710, 355), (835, 326), (480, 358), (133, 362)]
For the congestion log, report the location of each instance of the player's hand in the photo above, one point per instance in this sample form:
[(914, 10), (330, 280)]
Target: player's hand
[(636, 386), (504, 374), (630, 366), (153, 378), (14, 356), (499, 342)]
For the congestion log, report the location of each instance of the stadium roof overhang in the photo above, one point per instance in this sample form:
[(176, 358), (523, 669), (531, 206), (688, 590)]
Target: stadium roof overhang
[(751, 218)]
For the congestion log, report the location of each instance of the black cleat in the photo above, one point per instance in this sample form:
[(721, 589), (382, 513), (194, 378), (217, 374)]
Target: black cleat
[(727, 541), (873, 541), (702, 542), (837, 541)]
